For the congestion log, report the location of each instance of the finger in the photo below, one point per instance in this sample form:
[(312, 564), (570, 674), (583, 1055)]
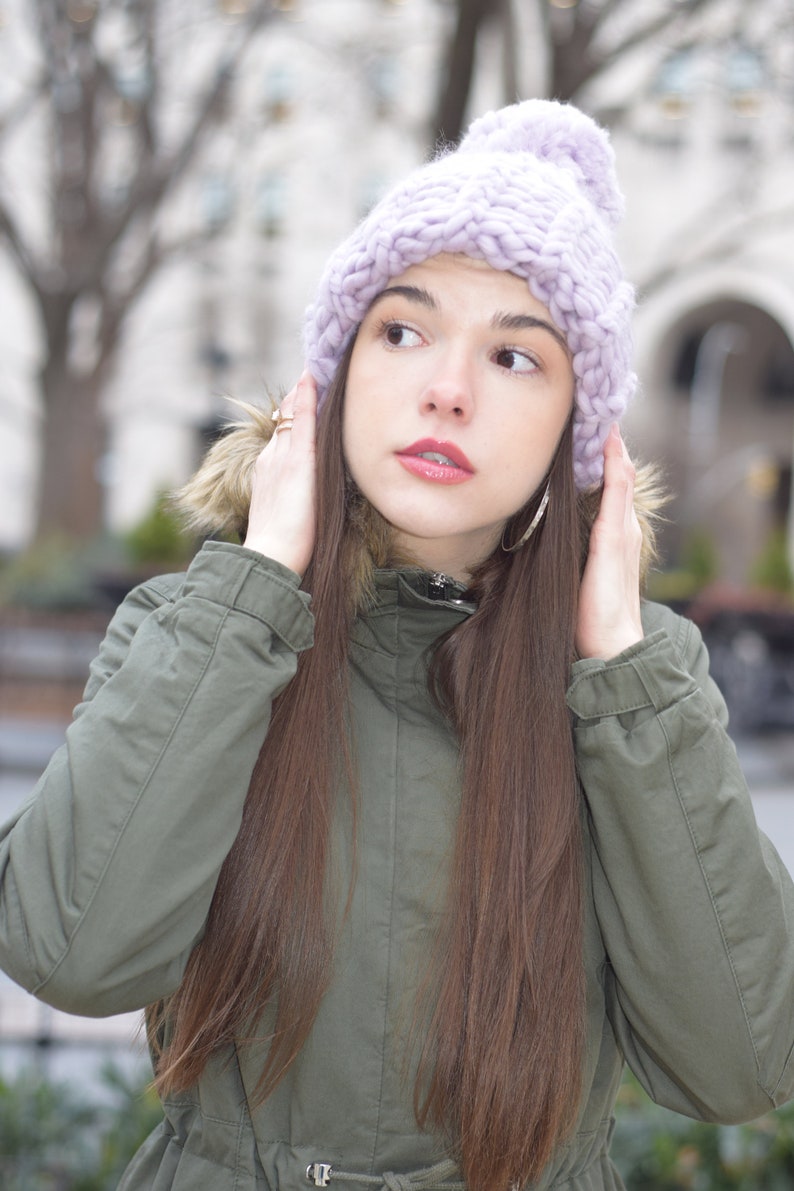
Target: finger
[(617, 500), (304, 411), (296, 423)]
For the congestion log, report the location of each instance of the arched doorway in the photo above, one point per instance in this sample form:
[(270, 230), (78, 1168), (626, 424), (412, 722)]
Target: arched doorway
[(724, 400)]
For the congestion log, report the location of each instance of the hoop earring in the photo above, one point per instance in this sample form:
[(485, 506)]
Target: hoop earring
[(533, 525)]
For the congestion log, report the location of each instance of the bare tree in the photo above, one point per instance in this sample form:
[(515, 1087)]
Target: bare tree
[(572, 49), (572, 45), (459, 64), (101, 105)]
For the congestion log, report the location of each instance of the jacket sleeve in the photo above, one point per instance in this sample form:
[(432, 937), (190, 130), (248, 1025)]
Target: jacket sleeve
[(108, 870), (695, 908)]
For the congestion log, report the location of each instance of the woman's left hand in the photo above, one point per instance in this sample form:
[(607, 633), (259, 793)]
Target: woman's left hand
[(609, 600)]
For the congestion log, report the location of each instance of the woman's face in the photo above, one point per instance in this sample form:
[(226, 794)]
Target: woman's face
[(458, 391)]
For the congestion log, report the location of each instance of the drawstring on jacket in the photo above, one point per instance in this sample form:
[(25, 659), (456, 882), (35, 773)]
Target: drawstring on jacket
[(440, 1177)]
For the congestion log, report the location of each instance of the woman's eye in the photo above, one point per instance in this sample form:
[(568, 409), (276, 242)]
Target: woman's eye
[(515, 361), (397, 335)]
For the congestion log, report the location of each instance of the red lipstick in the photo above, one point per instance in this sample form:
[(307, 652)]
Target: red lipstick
[(440, 462)]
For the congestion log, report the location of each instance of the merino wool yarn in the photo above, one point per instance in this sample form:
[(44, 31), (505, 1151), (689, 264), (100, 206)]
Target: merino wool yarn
[(532, 190)]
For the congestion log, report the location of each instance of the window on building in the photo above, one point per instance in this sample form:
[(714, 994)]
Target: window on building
[(271, 202), (384, 75), (133, 83), (744, 79), (215, 357), (132, 86), (676, 83), (278, 93), (217, 201), (234, 8)]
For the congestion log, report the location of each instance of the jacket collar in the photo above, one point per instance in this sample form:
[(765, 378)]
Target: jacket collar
[(411, 610)]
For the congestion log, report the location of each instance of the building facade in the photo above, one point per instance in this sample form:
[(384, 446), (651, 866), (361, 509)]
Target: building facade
[(330, 106)]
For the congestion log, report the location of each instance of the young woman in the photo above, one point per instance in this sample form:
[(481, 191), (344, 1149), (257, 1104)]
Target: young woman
[(407, 820)]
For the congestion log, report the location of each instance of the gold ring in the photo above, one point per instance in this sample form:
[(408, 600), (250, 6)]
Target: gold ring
[(283, 421)]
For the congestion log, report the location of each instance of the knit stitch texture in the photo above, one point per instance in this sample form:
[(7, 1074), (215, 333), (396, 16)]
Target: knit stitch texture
[(532, 190)]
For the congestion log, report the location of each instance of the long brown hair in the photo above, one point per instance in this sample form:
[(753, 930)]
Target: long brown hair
[(500, 1064), (502, 1059)]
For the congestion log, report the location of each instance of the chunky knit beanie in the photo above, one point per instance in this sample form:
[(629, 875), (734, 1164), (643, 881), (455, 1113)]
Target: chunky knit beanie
[(531, 190)]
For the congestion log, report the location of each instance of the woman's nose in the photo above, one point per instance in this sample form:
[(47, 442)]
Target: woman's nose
[(449, 391)]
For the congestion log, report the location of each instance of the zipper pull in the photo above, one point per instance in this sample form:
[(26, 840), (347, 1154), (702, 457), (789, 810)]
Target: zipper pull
[(437, 586), (319, 1173)]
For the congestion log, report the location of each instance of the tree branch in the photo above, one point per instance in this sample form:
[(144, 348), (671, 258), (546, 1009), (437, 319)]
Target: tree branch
[(17, 112), (20, 251), (116, 306), (459, 67), (647, 32), (154, 184), (577, 62)]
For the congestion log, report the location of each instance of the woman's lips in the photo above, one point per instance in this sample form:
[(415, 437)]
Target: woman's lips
[(441, 462)]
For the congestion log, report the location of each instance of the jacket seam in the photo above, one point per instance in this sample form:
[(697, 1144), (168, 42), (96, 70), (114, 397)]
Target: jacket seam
[(133, 808), (583, 1135), (712, 899), (20, 917), (238, 604), (391, 933), (177, 1141), (788, 1064), (238, 1147), (616, 709), (291, 643), (683, 637)]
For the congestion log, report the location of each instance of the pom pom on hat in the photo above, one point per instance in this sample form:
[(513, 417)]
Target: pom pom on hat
[(532, 190), (557, 133)]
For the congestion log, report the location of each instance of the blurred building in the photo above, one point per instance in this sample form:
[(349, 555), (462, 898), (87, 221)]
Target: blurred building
[(330, 107), (707, 161)]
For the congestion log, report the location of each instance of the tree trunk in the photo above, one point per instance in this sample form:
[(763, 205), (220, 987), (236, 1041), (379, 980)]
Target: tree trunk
[(459, 68), (70, 496)]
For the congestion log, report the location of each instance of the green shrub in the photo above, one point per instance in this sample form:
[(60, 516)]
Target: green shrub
[(699, 566), (53, 1138), (700, 557), (772, 569), (160, 538), (48, 575), (659, 1150)]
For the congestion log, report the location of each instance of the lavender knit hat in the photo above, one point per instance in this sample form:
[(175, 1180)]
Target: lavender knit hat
[(532, 190)]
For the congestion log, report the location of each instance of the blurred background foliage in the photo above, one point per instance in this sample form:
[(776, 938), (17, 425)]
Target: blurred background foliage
[(658, 1150), (53, 1137)]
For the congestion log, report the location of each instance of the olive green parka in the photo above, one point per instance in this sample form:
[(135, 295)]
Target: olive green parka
[(109, 868)]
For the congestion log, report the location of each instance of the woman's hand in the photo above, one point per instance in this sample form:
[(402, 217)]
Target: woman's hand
[(281, 519), (609, 599)]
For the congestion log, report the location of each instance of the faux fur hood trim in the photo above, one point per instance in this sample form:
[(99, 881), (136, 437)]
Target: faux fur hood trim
[(215, 500)]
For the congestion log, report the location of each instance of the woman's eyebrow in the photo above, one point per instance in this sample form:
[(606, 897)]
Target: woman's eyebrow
[(527, 322), (501, 321), (413, 293)]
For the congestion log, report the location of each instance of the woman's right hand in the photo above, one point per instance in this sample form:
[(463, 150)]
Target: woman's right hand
[(281, 519)]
